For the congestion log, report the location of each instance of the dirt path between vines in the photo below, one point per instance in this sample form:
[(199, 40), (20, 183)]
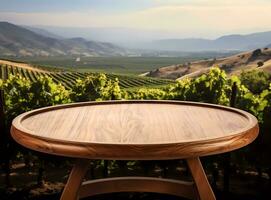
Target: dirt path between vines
[(21, 65)]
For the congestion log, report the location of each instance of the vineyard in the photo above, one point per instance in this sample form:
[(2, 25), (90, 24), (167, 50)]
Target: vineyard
[(32, 90), (68, 78)]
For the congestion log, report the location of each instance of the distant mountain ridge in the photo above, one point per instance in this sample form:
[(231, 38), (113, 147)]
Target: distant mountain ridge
[(19, 41), (155, 40), (34, 41), (43, 32), (224, 43)]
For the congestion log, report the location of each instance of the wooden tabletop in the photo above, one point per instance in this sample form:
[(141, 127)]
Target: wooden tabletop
[(140, 130)]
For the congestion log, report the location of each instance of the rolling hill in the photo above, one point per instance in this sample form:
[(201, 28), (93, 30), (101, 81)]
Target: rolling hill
[(19, 41), (257, 59)]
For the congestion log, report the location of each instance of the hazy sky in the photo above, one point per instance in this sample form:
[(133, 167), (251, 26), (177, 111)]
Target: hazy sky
[(188, 18)]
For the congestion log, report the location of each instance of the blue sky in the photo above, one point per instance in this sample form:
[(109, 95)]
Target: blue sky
[(194, 18), (74, 5)]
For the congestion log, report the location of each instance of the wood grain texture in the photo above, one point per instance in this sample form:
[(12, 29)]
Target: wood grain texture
[(76, 177), (138, 184), (140, 130), (204, 189)]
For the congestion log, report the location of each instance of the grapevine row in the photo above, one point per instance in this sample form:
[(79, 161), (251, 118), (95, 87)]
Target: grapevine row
[(68, 79)]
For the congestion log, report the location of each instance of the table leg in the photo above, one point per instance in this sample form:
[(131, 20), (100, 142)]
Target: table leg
[(76, 176), (79, 170), (204, 189)]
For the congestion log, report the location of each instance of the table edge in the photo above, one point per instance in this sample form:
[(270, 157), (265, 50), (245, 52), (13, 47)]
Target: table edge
[(135, 151)]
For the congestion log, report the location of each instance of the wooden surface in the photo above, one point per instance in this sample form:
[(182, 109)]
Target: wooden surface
[(204, 189), (75, 179), (135, 129), (138, 184)]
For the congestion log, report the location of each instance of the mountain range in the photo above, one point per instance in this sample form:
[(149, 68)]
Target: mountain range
[(224, 43), (159, 41), (20, 41), (47, 41)]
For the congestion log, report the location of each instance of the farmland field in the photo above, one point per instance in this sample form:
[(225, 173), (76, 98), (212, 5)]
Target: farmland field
[(119, 65)]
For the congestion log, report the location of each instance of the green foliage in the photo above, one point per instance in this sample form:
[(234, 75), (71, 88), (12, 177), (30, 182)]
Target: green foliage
[(209, 88), (213, 87), (22, 95), (46, 92), (148, 94), (181, 90), (95, 88), (255, 80)]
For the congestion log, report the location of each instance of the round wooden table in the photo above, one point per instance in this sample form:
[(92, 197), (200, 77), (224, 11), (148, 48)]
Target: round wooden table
[(135, 130)]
